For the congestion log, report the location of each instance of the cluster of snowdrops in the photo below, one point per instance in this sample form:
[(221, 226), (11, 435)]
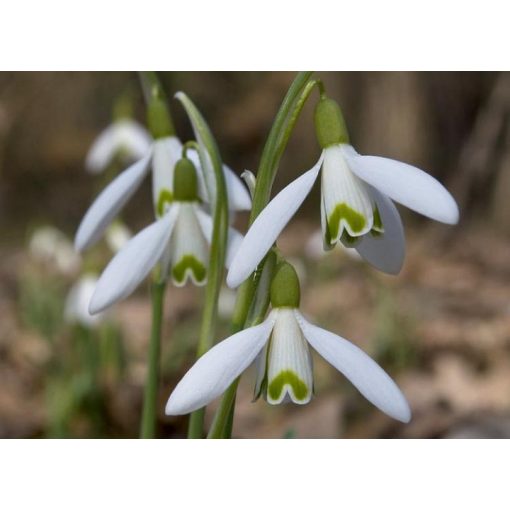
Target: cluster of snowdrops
[(191, 240)]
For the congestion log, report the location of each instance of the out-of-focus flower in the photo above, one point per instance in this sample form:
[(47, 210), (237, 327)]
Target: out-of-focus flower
[(179, 240), (51, 246), (124, 138), (356, 202), (76, 309), (117, 235), (284, 365)]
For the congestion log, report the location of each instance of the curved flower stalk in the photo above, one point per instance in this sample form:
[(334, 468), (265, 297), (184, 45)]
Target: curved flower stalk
[(281, 346), (179, 240), (356, 202), (161, 157), (125, 138)]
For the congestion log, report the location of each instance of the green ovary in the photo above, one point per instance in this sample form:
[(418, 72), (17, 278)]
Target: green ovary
[(189, 263), (165, 197), (355, 220), (287, 377)]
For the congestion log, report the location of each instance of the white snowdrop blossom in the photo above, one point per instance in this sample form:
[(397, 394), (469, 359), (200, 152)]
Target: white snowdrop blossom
[(50, 245), (117, 235), (161, 157), (356, 202), (76, 308), (124, 138), (281, 347), (179, 239)]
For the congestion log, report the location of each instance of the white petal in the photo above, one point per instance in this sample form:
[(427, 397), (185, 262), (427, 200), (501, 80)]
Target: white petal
[(188, 247), (132, 138), (268, 225), (167, 151), (102, 150), (385, 252), (211, 375), (289, 369), (238, 196), (109, 202), (234, 237), (370, 379), (405, 184), (347, 202), (133, 263), (77, 303)]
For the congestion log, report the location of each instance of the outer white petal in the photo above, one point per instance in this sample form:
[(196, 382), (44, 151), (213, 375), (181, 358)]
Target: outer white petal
[(405, 184), (102, 150), (133, 263), (77, 303), (370, 379), (109, 202), (132, 138), (238, 196), (386, 252), (234, 237), (167, 151), (268, 225), (211, 375)]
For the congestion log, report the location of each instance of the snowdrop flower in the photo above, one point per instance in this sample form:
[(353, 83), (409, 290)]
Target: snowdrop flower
[(162, 157), (50, 245), (179, 240), (356, 201), (77, 303), (281, 345), (117, 235), (124, 137)]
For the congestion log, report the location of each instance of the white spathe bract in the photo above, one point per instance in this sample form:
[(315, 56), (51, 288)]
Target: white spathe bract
[(285, 367), (161, 157), (76, 310), (355, 209), (179, 240), (125, 138)]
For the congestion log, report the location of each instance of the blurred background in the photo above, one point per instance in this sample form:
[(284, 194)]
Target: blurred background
[(441, 328)]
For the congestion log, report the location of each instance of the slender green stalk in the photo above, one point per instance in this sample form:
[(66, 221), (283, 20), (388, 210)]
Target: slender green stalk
[(283, 125), (213, 175), (150, 397)]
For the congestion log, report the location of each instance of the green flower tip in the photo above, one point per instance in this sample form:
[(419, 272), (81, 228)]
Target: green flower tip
[(285, 291), (159, 120), (185, 181), (330, 125)]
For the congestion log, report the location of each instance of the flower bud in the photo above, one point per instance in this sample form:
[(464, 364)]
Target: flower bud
[(185, 181), (285, 291), (330, 125)]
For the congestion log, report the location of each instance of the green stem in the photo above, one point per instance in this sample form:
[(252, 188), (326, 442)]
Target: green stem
[(277, 140), (150, 397), (211, 162)]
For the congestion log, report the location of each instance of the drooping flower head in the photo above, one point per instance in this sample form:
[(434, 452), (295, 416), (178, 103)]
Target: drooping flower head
[(178, 240), (281, 346), (356, 201)]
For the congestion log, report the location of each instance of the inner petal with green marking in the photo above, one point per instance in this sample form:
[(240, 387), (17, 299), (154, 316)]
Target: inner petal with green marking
[(189, 267), (288, 374), (165, 197), (189, 251), (348, 206)]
